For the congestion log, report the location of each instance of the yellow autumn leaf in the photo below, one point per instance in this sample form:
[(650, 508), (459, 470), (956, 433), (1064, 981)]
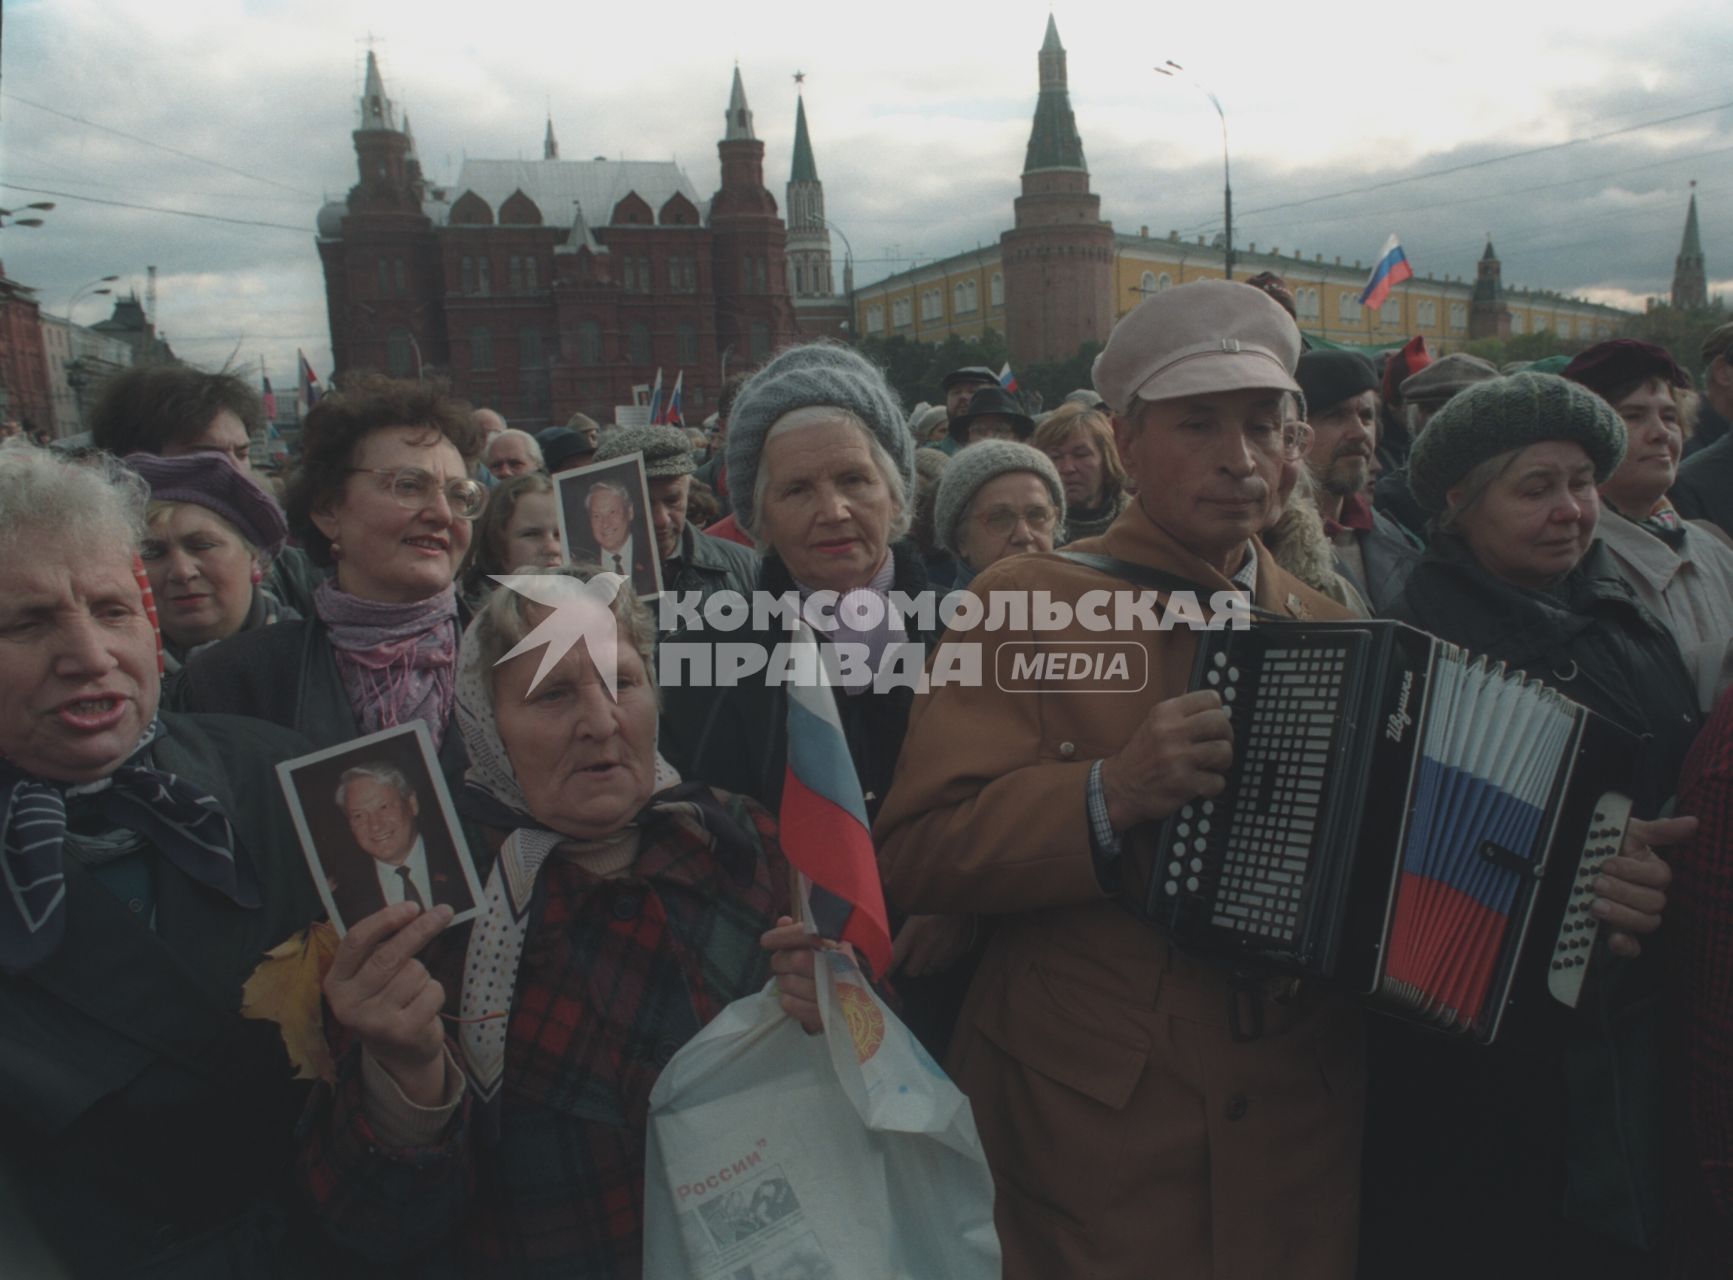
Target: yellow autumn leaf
[(286, 989)]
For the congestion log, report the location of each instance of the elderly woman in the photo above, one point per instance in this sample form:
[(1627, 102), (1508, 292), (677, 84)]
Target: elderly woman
[(211, 534), (1542, 1149), (521, 526), (996, 499), (145, 1127), (1078, 437), (384, 495), (622, 914), (1682, 570)]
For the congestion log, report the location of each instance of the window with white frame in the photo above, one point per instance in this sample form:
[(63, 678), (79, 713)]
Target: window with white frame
[(901, 311), (1347, 307), (1163, 283), (1426, 313), (1540, 324), (972, 295), (933, 305), (1458, 317), (997, 290), (875, 318), (1516, 322), (1564, 327), (1146, 286), (1391, 312), (1306, 303)]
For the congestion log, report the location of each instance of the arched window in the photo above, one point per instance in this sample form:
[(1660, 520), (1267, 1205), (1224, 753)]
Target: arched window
[(971, 295), (399, 354), (875, 318), (1391, 312), (483, 277), (1458, 317), (1426, 313), (1165, 283), (589, 343), (996, 291), (1146, 285), (1516, 322), (638, 344), (1347, 307), (799, 277), (516, 272)]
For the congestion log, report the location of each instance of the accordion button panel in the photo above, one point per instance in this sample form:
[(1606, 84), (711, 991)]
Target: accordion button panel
[(1580, 929)]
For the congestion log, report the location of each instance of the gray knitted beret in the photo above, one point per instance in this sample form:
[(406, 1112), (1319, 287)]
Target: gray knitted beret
[(820, 373), (973, 466), (1499, 415), (667, 450)]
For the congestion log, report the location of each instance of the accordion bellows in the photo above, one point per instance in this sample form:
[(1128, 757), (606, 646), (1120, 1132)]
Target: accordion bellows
[(1408, 821)]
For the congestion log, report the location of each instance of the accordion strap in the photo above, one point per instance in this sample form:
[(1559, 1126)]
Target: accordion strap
[(1143, 575)]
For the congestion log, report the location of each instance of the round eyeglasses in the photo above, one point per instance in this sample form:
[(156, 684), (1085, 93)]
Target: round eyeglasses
[(1002, 521), (1295, 439), (413, 489)]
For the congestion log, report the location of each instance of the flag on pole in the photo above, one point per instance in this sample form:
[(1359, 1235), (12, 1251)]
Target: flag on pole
[(1007, 379), (656, 398), (270, 398), (825, 834), (1390, 270), (671, 414), (309, 388)]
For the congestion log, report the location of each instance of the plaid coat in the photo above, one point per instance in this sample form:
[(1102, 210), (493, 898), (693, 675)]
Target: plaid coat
[(616, 975)]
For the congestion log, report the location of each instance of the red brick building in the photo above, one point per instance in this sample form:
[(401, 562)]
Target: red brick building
[(24, 392), (547, 287)]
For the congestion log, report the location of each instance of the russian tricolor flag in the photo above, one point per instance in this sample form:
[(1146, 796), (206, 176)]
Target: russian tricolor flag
[(671, 415), (1007, 379), (825, 834), (656, 398), (1390, 270), (309, 380)]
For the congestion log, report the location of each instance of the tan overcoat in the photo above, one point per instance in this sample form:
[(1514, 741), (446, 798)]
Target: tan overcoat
[(1130, 1134)]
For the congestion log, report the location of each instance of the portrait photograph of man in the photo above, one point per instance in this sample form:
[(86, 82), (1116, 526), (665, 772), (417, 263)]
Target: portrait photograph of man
[(377, 827), (605, 520)]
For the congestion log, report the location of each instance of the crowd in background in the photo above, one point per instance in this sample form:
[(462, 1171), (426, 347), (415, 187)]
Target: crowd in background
[(174, 624)]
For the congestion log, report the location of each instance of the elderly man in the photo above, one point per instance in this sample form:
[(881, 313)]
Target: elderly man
[(512, 453), (569, 447), (992, 413), (615, 535), (691, 561), (1142, 1110), (1704, 489), (384, 816), (1371, 551), (959, 387)]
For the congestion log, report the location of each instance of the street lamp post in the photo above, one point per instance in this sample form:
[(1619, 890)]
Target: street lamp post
[(1177, 72), (848, 274), (89, 288), (9, 217)]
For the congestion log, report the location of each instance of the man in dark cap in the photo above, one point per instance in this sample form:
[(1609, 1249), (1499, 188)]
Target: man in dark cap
[(1704, 489), (959, 387), (1424, 394), (993, 413), (569, 447), (691, 561), (1371, 551)]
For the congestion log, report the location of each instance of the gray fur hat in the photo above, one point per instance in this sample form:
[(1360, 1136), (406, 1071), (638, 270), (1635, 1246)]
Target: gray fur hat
[(973, 466), (1496, 416), (819, 373)]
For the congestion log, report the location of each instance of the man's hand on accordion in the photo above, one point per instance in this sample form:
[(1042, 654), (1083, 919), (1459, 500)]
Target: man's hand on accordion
[(1632, 888), (1180, 752)]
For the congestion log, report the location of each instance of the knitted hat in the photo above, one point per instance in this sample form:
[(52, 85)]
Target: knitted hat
[(819, 373), (924, 419), (972, 467), (1329, 377), (1444, 377), (210, 481), (993, 401), (1606, 366), (667, 450), (1495, 417)]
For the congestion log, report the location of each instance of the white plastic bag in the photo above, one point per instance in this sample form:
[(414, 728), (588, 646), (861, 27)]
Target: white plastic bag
[(775, 1155)]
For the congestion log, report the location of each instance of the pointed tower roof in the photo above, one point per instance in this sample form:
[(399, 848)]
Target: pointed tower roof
[(410, 134), (1053, 140), (1692, 245), (739, 114), (1489, 255), (803, 169), (550, 144), (376, 108)]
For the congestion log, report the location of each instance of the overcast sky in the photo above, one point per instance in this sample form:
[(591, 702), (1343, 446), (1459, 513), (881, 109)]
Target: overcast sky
[(919, 115)]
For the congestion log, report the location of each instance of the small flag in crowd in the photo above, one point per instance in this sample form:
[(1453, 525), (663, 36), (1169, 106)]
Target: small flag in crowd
[(824, 824), (1390, 270), (270, 401), (1007, 379), (309, 381), (671, 413), (656, 398)]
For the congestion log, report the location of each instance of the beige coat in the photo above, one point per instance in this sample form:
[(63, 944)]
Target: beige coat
[(1690, 590), (1129, 1133)]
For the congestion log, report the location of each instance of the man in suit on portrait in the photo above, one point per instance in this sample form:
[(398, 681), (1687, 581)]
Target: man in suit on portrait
[(402, 864)]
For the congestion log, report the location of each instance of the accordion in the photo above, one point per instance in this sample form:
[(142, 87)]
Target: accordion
[(1406, 821)]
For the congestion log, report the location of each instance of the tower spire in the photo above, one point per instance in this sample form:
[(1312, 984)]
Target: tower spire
[(550, 144), (803, 169), (1053, 139), (376, 109), (739, 114), (1690, 276)]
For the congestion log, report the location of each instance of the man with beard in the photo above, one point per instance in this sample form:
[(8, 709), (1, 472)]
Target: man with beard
[(1371, 551)]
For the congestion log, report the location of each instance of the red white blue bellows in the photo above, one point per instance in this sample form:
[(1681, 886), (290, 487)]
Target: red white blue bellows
[(1390, 270), (825, 834)]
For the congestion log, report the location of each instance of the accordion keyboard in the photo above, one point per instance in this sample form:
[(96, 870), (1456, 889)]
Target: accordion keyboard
[(1575, 945), (1262, 858)]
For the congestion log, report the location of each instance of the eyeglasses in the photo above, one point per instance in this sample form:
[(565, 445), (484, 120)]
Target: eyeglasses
[(1295, 439), (1003, 520), (413, 488)]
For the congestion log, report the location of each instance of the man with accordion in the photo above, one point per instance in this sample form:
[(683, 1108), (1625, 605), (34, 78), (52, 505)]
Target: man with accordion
[(1145, 1109)]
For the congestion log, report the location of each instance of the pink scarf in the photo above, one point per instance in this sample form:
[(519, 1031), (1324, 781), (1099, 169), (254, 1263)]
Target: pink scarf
[(398, 662)]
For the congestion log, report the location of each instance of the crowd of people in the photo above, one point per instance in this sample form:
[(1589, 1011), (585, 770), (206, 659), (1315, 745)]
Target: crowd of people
[(174, 625)]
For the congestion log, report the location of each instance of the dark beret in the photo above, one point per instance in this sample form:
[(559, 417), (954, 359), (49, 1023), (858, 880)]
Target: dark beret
[(1607, 366), (1329, 377)]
